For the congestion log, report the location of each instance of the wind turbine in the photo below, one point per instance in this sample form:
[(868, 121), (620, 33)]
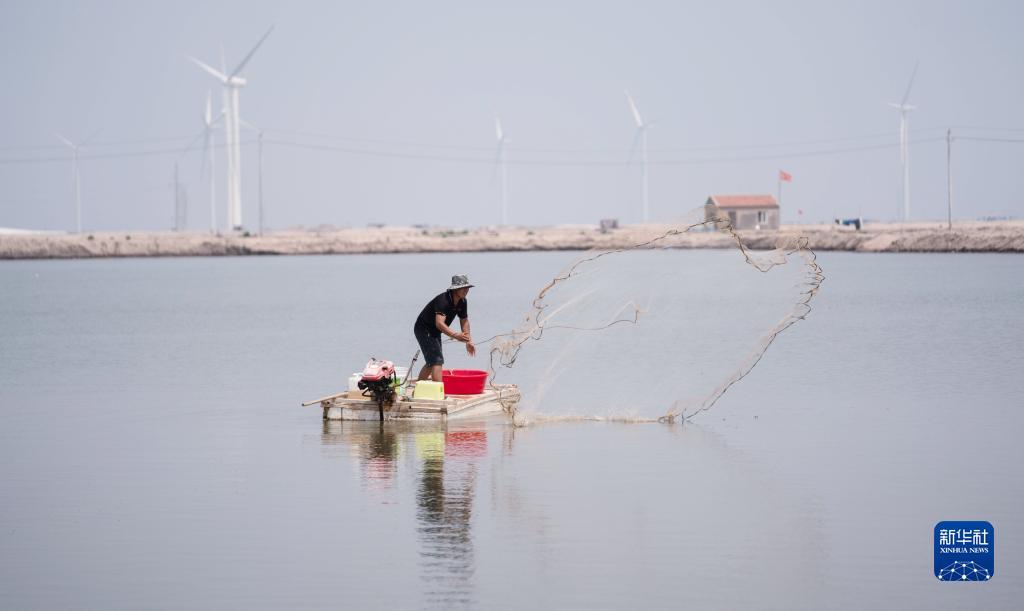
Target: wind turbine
[(208, 123), (208, 144), (76, 175), (904, 108), (500, 160), (641, 135), (232, 83)]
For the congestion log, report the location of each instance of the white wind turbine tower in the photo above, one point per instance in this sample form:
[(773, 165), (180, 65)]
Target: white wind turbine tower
[(233, 83), (641, 135), (904, 108), (208, 123), (76, 180), (500, 159)]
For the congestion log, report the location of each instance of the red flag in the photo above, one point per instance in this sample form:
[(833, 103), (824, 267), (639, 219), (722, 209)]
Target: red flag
[(784, 177)]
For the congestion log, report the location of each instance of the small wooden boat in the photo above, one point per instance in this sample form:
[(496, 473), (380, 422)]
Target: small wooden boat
[(353, 405)]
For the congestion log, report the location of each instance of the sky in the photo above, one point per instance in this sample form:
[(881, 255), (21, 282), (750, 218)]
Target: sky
[(383, 112)]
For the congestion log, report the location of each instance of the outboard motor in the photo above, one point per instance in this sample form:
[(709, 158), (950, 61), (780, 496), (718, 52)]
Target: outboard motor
[(379, 381)]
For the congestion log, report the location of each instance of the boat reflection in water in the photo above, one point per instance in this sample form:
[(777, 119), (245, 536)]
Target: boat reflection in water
[(445, 509), (445, 460)]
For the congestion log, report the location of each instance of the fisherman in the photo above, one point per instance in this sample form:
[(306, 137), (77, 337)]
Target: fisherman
[(434, 320)]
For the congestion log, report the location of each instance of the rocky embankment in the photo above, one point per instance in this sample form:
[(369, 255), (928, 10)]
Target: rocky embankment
[(1002, 236)]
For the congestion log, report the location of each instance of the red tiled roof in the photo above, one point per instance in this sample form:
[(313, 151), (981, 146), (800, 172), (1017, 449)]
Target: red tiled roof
[(744, 201)]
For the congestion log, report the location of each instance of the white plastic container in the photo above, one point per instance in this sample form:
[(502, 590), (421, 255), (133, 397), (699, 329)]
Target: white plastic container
[(401, 373)]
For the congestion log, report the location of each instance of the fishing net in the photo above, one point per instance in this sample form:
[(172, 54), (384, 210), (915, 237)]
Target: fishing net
[(656, 330)]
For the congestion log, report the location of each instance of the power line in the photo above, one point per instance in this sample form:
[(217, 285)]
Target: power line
[(543, 150), (987, 129), (983, 139), (367, 152), (100, 156), (305, 134), (557, 163), (95, 144), (422, 145)]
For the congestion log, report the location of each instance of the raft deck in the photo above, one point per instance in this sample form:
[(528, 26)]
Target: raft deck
[(352, 405)]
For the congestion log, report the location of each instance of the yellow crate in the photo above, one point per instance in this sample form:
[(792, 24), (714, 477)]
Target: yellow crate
[(429, 390)]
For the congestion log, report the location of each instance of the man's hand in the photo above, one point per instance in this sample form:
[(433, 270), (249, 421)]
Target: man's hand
[(471, 348), (461, 337)]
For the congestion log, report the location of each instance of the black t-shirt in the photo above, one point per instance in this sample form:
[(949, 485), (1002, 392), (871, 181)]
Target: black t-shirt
[(442, 304)]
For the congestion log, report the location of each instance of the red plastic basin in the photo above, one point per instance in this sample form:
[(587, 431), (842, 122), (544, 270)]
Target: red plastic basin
[(463, 381)]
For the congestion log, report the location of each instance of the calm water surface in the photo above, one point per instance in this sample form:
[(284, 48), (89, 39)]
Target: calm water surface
[(153, 453)]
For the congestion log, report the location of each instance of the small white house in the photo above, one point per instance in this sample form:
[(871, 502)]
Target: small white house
[(744, 211)]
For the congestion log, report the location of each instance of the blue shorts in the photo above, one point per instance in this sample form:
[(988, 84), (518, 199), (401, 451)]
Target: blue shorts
[(430, 346)]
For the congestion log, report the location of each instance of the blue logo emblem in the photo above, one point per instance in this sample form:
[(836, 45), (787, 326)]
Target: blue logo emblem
[(964, 551)]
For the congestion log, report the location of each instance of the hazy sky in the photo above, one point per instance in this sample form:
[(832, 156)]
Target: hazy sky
[(384, 112)]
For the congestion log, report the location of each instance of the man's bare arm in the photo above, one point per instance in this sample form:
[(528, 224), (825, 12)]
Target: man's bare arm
[(443, 328), (470, 348)]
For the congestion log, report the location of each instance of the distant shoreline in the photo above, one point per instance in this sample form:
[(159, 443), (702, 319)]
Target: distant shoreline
[(966, 236)]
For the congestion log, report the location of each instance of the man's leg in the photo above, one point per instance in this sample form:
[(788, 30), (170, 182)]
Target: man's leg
[(427, 347), (436, 360)]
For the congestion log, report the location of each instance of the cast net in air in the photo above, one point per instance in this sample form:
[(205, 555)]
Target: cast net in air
[(658, 329)]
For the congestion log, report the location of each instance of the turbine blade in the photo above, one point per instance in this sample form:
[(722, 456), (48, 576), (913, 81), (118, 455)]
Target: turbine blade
[(65, 141), (249, 56), (497, 129), (208, 115), (910, 84), (89, 139), (247, 125), (213, 71), (636, 113)]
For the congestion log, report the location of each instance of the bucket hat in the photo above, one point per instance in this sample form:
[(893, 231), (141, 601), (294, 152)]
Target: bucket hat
[(460, 282)]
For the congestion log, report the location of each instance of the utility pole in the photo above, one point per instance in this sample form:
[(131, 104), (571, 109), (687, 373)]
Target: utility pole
[(949, 179), (177, 198), (260, 139)]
